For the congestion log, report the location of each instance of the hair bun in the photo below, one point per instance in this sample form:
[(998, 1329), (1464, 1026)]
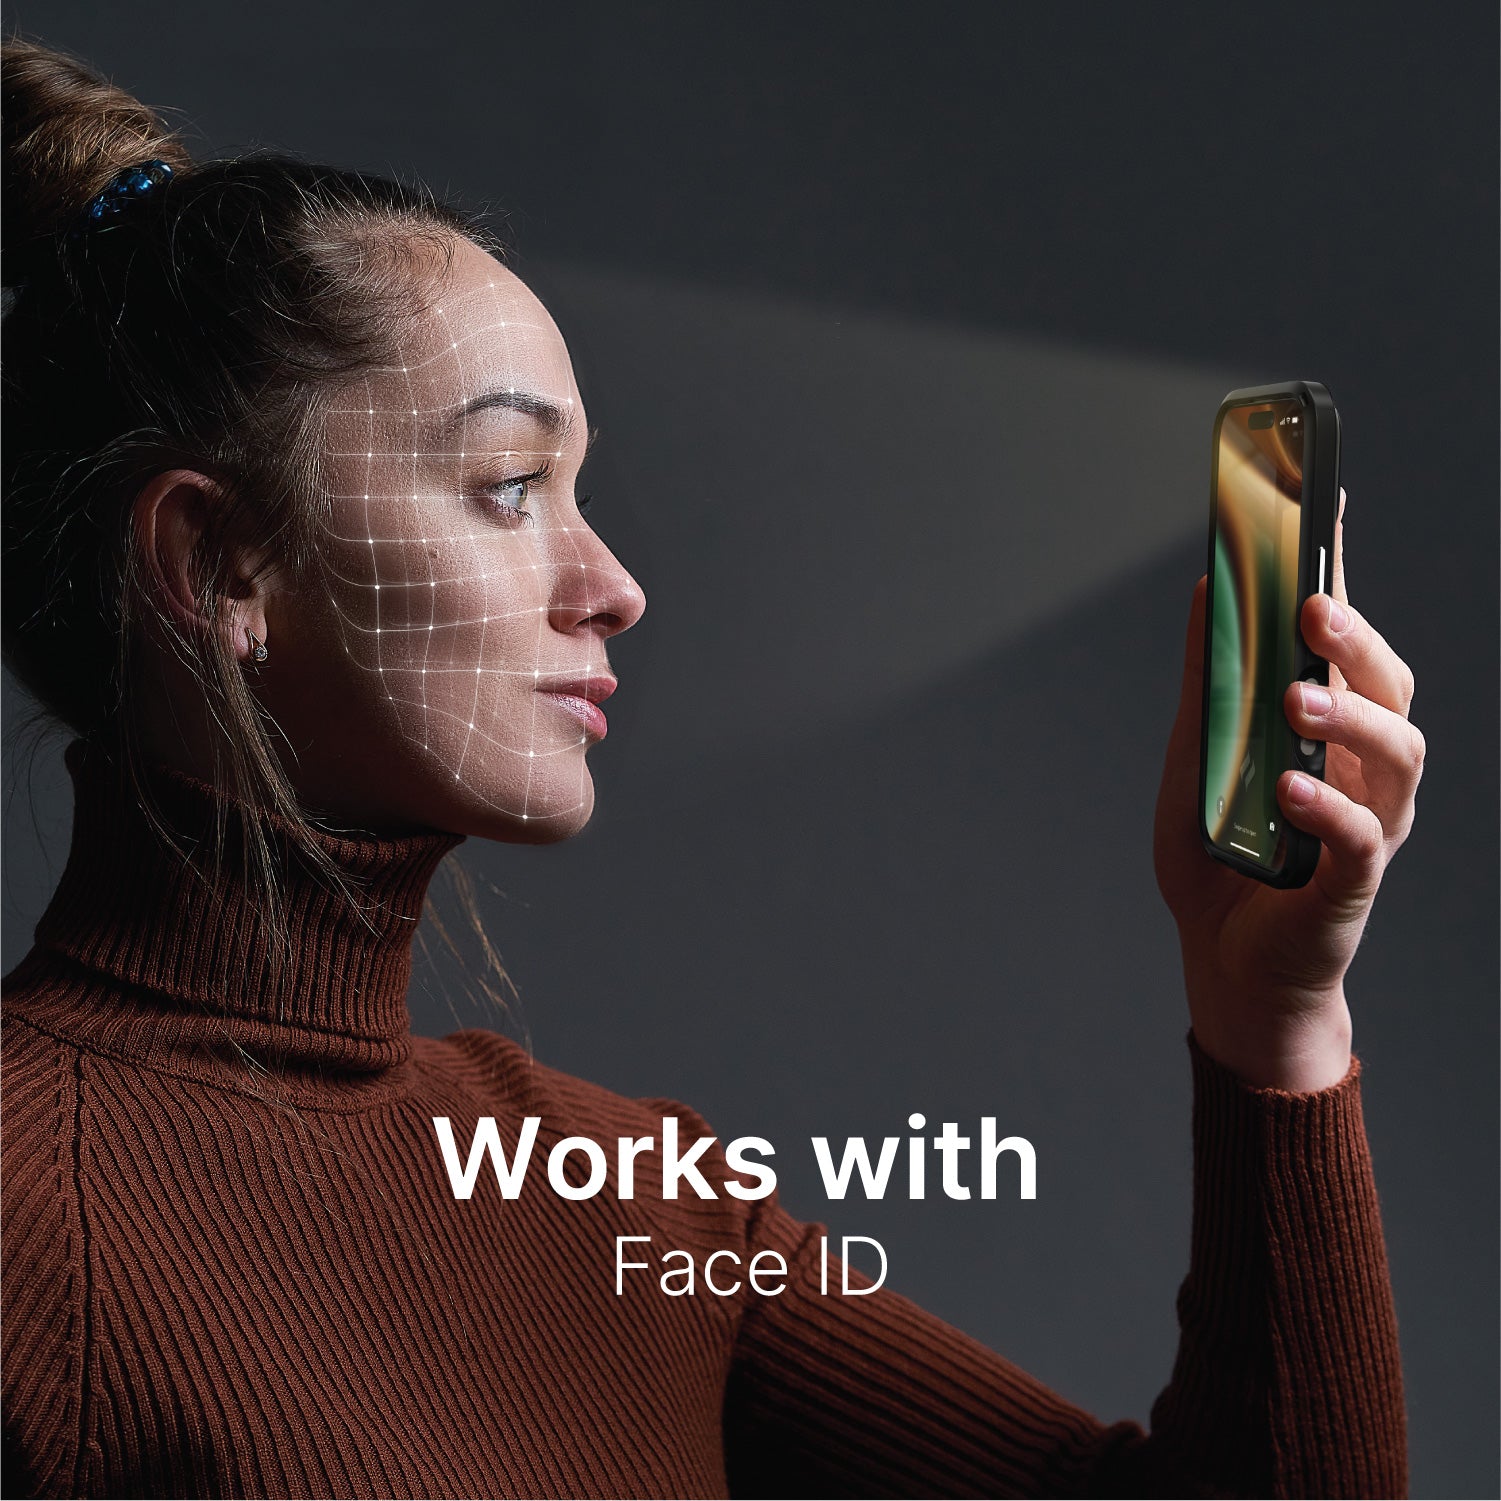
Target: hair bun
[(68, 131)]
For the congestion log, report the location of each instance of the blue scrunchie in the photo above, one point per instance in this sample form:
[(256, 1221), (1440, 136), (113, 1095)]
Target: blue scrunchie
[(124, 188)]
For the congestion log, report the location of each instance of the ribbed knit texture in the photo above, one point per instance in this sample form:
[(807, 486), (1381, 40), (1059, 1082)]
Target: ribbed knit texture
[(233, 1263)]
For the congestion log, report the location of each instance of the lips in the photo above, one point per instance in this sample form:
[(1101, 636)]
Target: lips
[(582, 697)]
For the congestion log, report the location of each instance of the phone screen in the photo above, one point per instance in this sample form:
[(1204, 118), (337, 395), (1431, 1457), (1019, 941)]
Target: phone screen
[(1258, 484)]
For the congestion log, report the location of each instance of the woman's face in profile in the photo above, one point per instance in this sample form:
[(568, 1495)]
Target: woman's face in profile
[(439, 676)]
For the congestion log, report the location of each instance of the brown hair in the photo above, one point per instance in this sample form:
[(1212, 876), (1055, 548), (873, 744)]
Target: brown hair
[(201, 327)]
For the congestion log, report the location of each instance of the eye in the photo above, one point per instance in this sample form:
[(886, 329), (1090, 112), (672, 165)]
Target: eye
[(584, 502), (506, 497)]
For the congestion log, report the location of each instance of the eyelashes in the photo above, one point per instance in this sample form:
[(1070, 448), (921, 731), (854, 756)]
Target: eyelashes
[(511, 510)]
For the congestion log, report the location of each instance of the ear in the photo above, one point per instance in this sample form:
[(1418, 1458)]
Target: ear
[(172, 516)]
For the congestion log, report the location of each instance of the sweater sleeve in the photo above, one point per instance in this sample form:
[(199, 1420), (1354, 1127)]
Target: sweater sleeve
[(1287, 1380)]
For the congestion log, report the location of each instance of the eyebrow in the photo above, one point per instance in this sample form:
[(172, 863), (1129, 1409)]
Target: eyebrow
[(558, 422)]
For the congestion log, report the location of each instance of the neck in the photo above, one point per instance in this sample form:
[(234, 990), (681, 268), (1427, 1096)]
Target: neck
[(314, 977)]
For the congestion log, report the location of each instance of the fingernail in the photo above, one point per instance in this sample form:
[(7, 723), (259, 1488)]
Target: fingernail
[(1300, 789), (1339, 616), (1316, 700)]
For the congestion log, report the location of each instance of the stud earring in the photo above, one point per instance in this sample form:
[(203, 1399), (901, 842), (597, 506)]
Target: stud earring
[(259, 651)]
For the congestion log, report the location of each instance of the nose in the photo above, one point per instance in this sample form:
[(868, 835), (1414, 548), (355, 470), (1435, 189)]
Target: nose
[(592, 587)]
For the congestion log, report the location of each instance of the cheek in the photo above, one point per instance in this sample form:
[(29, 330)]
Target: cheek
[(448, 634)]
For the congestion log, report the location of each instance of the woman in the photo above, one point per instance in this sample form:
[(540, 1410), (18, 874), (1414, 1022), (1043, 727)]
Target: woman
[(294, 547)]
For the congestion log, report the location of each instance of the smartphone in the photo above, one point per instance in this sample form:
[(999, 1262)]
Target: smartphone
[(1273, 499)]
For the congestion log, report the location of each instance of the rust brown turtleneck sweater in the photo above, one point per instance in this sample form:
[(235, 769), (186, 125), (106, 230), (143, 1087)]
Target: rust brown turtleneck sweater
[(233, 1263)]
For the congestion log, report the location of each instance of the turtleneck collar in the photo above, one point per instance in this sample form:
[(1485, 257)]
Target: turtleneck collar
[(191, 954)]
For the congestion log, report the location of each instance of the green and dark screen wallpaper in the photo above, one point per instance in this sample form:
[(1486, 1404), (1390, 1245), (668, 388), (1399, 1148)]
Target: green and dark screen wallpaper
[(1254, 596)]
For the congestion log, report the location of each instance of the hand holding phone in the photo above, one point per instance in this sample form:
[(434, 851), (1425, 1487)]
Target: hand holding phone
[(1264, 968)]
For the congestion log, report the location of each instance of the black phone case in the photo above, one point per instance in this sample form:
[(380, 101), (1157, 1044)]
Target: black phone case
[(1319, 508)]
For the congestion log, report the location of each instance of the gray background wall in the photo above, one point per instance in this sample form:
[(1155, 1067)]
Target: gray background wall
[(904, 332)]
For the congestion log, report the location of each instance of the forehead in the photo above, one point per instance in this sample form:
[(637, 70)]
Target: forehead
[(481, 328)]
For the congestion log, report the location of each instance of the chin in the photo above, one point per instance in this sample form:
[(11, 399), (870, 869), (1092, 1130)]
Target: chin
[(545, 824)]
